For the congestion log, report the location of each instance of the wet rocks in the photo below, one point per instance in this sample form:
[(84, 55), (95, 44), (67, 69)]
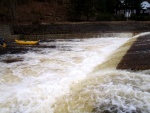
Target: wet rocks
[(12, 50), (11, 60)]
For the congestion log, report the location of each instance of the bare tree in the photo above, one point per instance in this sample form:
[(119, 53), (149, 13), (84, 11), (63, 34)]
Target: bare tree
[(11, 6)]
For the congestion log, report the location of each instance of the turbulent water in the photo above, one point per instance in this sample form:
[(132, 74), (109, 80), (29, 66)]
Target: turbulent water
[(72, 77)]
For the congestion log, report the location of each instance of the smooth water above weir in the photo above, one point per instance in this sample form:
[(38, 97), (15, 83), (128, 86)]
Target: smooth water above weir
[(66, 77)]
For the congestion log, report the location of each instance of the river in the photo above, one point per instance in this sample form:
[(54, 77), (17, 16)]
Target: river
[(73, 76)]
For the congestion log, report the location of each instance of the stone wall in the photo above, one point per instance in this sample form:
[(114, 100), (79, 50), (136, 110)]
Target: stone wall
[(73, 28), (72, 36)]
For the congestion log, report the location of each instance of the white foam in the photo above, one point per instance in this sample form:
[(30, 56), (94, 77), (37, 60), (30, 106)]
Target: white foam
[(109, 90), (32, 85)]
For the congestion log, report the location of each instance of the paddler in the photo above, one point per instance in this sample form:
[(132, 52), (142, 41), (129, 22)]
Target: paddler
[(2, 43)]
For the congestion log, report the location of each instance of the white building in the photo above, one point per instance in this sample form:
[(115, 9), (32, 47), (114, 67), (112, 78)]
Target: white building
[(127, 12), (146, 7)]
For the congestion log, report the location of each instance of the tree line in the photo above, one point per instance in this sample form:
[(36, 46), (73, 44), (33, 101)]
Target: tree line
[(88, 10)]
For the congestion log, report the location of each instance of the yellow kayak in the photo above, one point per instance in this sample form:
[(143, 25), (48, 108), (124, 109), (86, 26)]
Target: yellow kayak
[(23, 42), (3, 45)]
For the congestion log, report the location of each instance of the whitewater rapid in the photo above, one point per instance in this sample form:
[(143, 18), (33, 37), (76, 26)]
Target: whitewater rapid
[(61, 79)]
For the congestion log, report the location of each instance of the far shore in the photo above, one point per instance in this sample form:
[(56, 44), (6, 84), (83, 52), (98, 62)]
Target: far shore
[(73, 29), (82, 27)]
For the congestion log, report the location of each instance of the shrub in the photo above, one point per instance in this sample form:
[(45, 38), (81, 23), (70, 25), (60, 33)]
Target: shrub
[(36, 22), (110, 17), (141, 17), (119, 17), (104, 17)]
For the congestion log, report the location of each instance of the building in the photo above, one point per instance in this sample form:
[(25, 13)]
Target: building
[(145, 7), (128, 8)]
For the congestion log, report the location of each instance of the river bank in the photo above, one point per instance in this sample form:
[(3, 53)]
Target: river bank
[(72, 30), (83, 27)]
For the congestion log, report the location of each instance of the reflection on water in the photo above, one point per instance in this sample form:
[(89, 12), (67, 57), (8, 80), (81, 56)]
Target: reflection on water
[(61, 79)]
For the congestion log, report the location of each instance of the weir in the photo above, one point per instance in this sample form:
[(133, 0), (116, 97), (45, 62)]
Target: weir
[(73, 75), (133, 55), (138, 56), (12, 47), (108, 89)]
